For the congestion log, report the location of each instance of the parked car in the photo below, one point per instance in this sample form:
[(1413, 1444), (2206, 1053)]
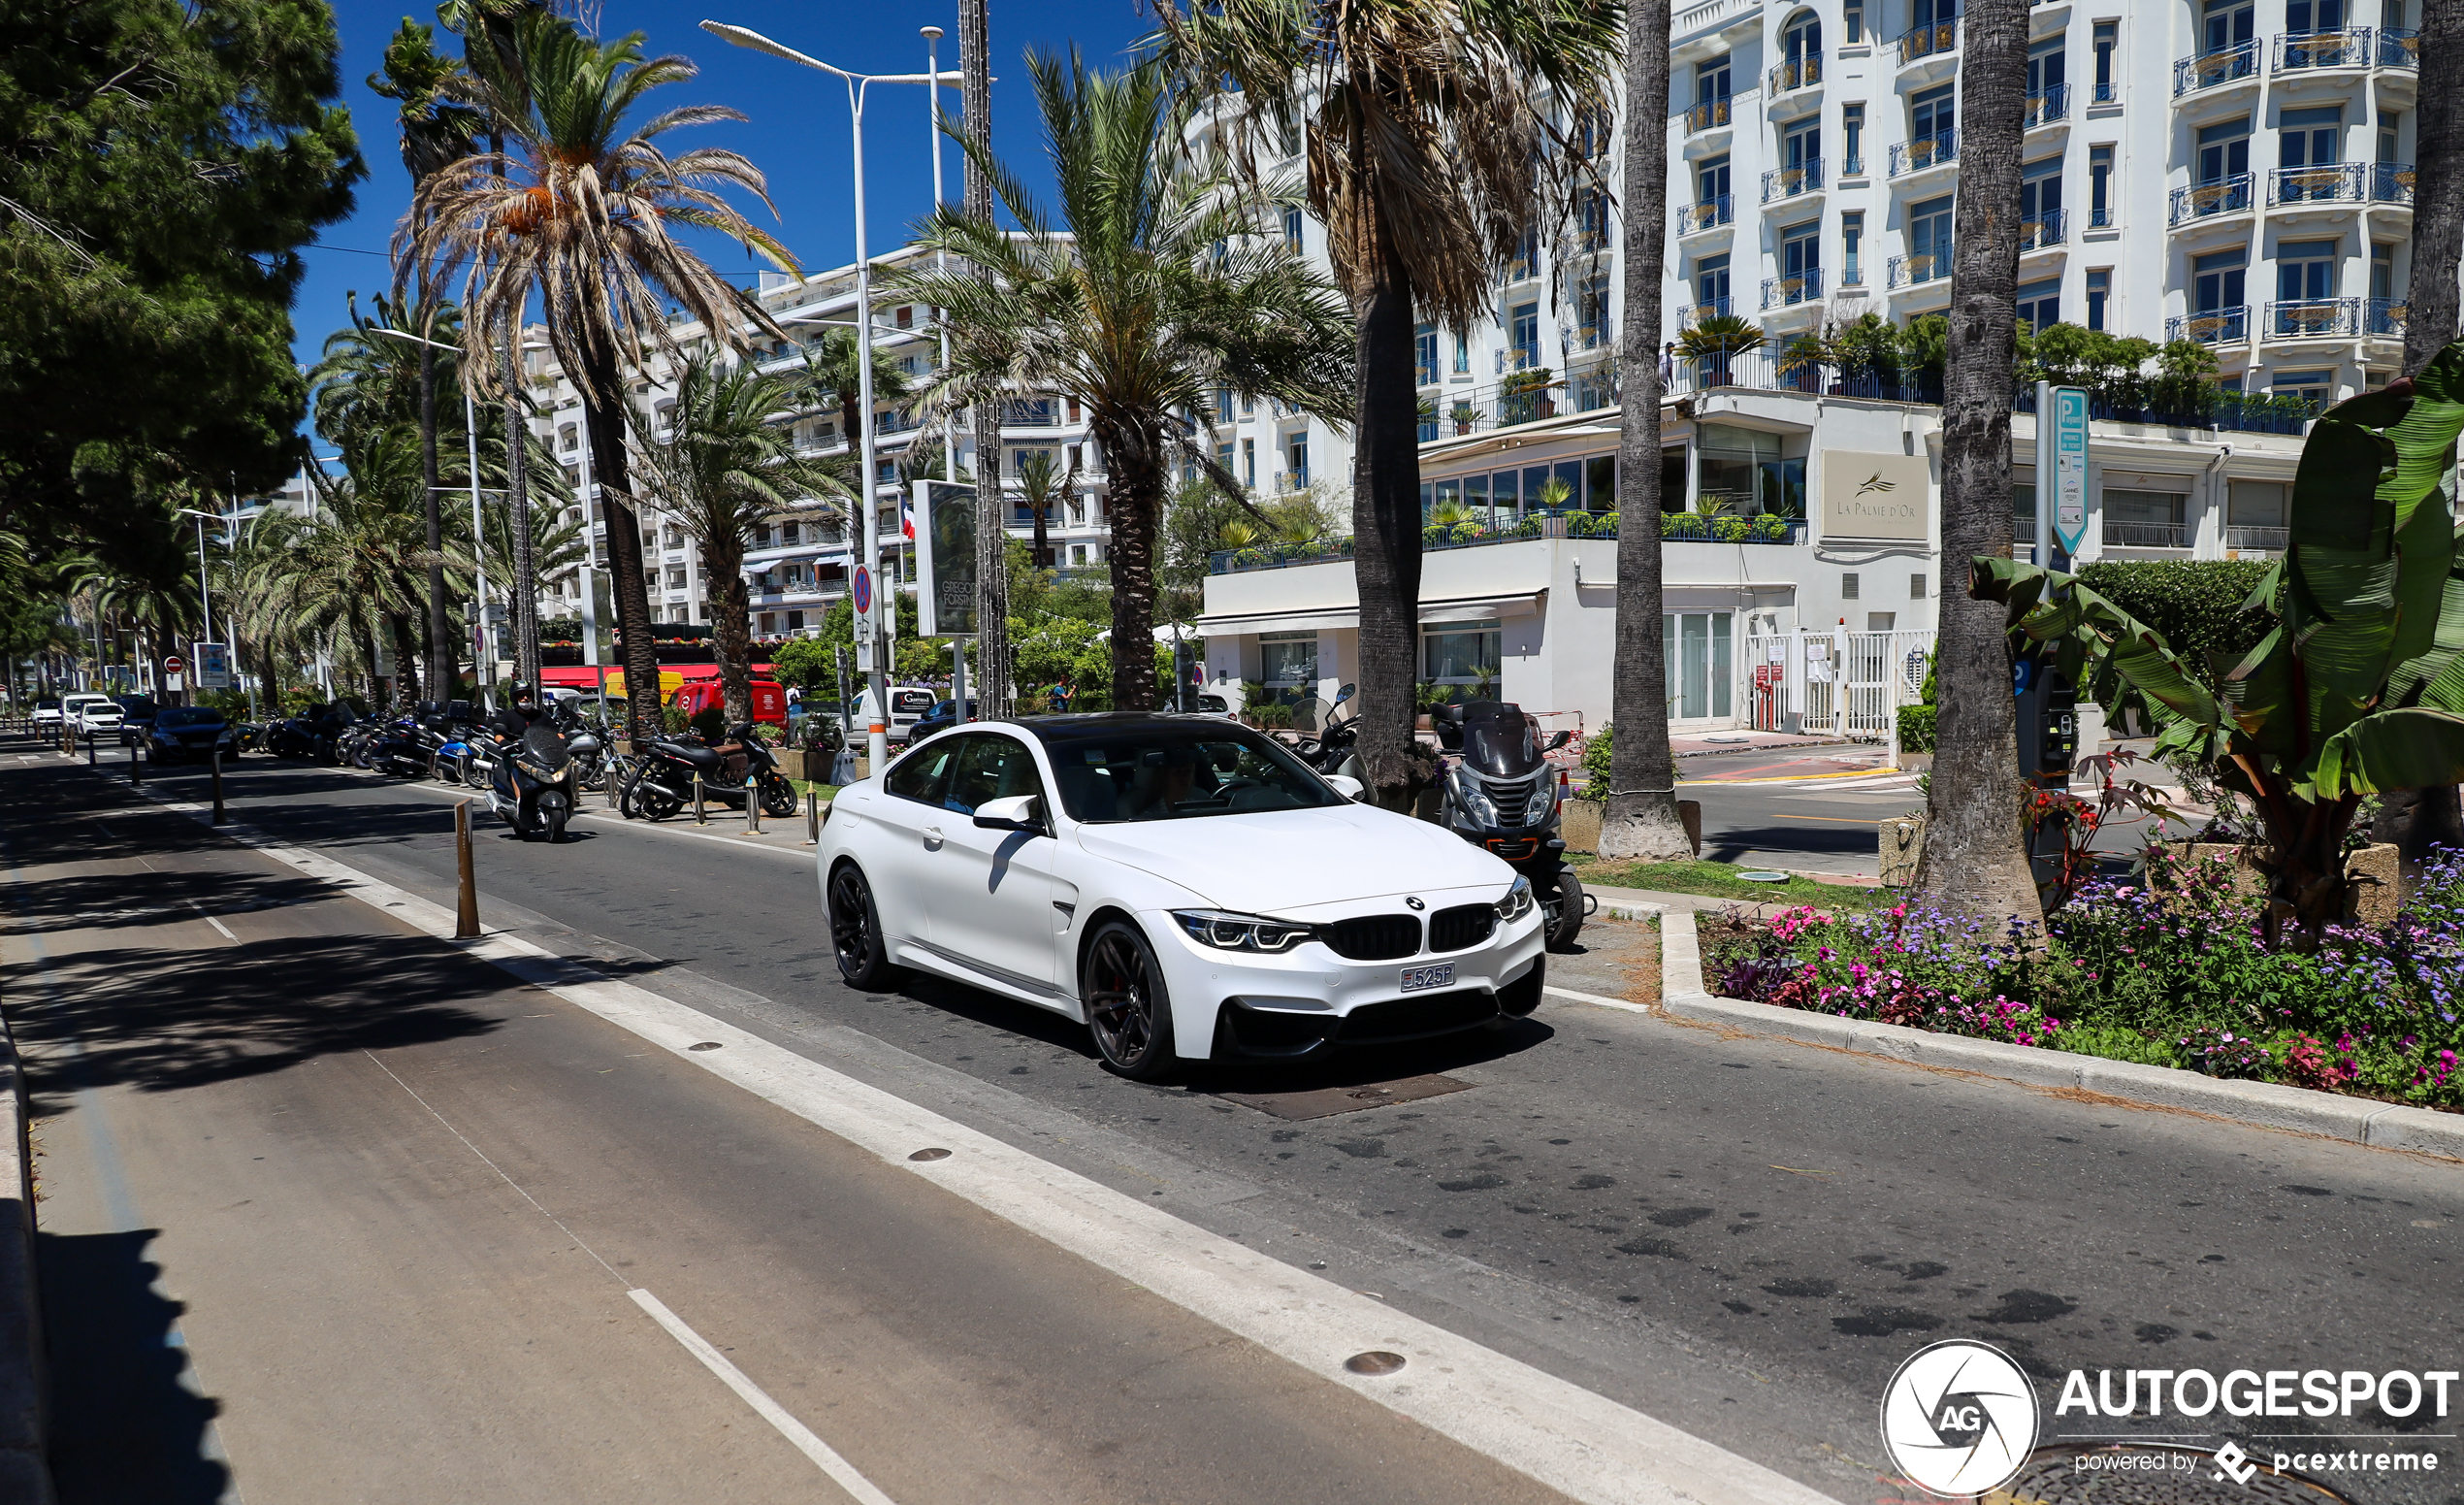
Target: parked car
[(47, 711), (136, 715), (1216, 706), (180, 731), (88, 714), (907, 706), (1189, 890), (941, 718)]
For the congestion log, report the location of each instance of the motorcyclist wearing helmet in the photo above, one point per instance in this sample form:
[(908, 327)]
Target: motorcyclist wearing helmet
[(521, 708)]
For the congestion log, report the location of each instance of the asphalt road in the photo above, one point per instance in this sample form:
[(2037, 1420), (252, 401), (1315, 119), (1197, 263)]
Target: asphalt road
[(1740, 1237)]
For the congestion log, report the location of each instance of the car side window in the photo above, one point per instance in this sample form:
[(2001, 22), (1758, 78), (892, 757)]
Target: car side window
[(988, 768), (919, 776)]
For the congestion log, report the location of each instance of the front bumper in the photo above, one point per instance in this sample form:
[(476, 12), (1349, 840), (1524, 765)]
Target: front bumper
[(1310, 1001)]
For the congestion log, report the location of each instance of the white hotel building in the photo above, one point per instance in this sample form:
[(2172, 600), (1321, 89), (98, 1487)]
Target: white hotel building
[(2231, 172)]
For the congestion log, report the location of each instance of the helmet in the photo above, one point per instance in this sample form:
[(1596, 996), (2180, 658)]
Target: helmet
[(519, 690)]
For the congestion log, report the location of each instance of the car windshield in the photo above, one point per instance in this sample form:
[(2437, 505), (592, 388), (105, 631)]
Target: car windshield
[(1498, 741), (188, 716), (1150, 774)]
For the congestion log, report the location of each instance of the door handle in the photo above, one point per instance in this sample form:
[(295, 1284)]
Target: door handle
[(932, 836)]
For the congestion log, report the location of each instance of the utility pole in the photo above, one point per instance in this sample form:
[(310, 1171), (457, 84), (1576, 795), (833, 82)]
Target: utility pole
[(517, 480), (992, 538), (439, 634)]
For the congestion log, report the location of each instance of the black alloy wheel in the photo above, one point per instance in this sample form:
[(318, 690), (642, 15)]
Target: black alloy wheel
[(778, 796), (1128, 1009), (854, 933)]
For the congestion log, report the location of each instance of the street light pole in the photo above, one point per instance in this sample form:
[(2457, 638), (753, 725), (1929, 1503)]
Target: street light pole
[(877, 736)]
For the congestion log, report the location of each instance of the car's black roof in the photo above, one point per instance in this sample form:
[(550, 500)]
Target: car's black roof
[(1113, 722)]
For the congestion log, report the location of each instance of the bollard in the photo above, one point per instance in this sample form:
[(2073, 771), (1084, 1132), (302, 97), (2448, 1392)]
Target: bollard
[(812, 817), (699, 818), (136, 765), (753, 805), (466, 914), (218, 816)]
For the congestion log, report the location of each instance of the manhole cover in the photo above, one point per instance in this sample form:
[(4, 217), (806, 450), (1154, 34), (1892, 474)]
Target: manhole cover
[(2153, 1474), (1327, 1102), (1763, 875)]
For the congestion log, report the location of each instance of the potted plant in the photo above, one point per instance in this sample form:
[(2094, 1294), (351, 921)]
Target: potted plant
[(1464, 415)]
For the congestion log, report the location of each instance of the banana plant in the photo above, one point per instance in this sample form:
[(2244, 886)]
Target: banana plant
[(2358, 689)]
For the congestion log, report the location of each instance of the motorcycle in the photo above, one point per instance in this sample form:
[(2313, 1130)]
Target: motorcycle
[(660, 782), (406, 749), (532, 790), (1328, 736), (311, 734), (586, 736), (1501, 794)]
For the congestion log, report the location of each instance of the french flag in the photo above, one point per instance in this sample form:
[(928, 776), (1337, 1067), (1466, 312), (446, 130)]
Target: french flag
[(907, 517)]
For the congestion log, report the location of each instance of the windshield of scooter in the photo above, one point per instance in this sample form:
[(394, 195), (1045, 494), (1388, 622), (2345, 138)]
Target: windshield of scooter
[(544, 746), (1498, 740)]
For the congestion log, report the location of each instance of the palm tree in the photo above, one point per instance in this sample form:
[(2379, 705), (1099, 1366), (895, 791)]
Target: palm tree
[(1434, 150), (353, 569), (831, 374), (1043, 485), (722, 464), (1641, 820), (579, 210), (1974, 862), (1160, 292)]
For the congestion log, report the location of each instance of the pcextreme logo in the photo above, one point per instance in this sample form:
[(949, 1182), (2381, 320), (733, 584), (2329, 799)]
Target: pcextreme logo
[(1958, 1418)]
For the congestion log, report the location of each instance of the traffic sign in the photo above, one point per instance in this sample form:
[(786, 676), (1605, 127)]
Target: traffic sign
[(864, 591), (2070, 467), (171, 663)]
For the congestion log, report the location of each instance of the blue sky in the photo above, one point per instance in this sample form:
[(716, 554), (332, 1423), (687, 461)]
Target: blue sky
[(797, 132)]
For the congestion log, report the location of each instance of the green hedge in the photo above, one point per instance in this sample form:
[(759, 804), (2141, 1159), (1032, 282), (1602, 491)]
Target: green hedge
[(1915, 727), (2196, 603)]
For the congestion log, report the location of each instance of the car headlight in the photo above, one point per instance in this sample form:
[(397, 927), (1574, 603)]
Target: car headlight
[(1517, 902), (1241, 931)]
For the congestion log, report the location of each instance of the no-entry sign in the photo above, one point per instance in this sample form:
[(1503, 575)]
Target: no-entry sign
[(864, 591), (171, 663)]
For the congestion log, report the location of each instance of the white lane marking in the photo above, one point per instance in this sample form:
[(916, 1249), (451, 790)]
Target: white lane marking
[(1594, 998), (842, 1472), (1584, 1445), (210, 919)]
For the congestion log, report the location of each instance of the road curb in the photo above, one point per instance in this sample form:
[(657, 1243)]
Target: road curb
[(25, 1377), (2260, 1104)]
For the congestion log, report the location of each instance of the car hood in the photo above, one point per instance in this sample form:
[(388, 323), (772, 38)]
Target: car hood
[(1280, 861)]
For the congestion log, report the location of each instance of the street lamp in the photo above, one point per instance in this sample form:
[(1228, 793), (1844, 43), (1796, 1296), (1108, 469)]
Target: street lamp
[(204, 599), (478, 535), (876, 739)]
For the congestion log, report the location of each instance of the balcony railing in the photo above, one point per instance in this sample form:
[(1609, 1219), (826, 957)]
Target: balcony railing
[(2211, 326), (2210, 70), (2121, 534), (1796, 73), (2203, 201), (1929, 41), (2313, 318), (2105, 94), (2273, 540), (2299, 49), (2046, 106), (1695, 313), (1292, 479), (2382, 316), (1031, 413), (1910, 156), (1780, 292), (1710, 115), (1789, 183), (2046, 229), (2324, 184), (1915, 271), (2391, 182), (1705, 214), (2399, 48), (1487, 526), (2100, 218), (1851, 167), (1528, 399)]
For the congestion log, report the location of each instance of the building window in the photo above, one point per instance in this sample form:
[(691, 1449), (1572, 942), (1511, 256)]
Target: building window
[(1930, 240), (1462, 356), (2040, 222), (1712, 287), (1298, 451), (1424, 355), (1932, 117), (2040, 305), (1524, 322), (2304, 275), (1697, 646), (2217, 282), (1591, 311), (2106, 35), (1293, 228), (1851, 22), (1249, 465), (2048, 74), (2224, 152), (1288, 664), (1463, 653), (1852, 140), (1852, 249), (2099, 186), (1847, 587), (2389, 123), (2316, 387), (1916, 587), (2099, 292)]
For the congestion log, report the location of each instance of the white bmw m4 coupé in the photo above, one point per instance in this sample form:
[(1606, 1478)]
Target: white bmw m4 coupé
[(1183, 885)]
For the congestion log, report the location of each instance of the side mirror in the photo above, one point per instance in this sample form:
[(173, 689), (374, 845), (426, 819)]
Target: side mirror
[(1346, 786), (1344, 694), (1559, 741), (1018, 812)]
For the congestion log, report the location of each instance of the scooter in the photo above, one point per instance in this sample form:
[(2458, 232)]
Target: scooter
[(532, 791), (660, 783), (585, 738), (405, 749), (1327, 737), (1501, 794)]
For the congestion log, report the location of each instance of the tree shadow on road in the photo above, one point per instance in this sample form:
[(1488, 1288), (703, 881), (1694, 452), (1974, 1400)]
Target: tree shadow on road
[(124, 1426)]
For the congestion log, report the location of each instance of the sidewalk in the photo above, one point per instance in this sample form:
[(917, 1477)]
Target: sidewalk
[(1698, 744)]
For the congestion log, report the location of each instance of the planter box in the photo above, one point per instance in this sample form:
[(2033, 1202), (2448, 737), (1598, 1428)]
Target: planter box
[(1579, 824), (1916, 763)]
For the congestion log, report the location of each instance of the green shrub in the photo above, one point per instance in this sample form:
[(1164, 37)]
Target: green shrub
[(710, 723), (2195, 604), (1915, 727), (1596, 784)]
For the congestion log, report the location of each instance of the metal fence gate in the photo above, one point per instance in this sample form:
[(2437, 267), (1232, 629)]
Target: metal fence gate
[(1840, 682)]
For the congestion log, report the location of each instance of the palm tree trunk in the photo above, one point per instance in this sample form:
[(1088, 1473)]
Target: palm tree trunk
[(1043, 551), (606, 438), (1974, 862), (1135, 468), (732, 638), (2430, 316), (1642, 818), (437, 633), (1386, 519), (406, 658), (993, 694)]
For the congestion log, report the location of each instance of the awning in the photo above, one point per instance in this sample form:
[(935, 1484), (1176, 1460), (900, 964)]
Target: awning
[(1455, 608)]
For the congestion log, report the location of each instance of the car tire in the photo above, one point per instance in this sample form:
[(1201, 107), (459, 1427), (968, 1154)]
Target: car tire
[(1128, 1011), (1520, 996), (855, 931), (1569, 910)]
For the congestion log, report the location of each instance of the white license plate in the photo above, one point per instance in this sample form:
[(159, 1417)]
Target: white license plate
[(1416, 978)]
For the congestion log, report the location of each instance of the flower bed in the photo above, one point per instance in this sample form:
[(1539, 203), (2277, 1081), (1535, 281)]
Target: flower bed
[(2167, 969)]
